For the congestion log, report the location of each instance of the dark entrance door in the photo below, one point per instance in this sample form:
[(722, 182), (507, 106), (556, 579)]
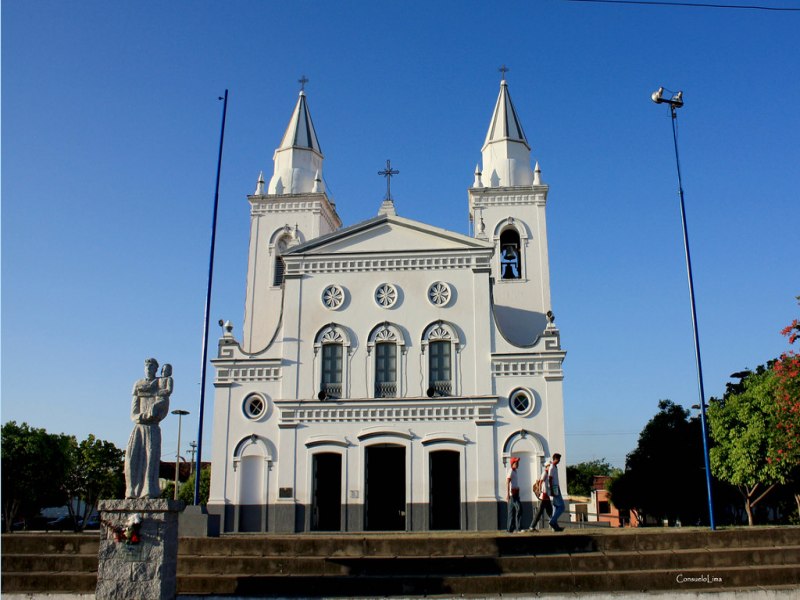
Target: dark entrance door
[(445, 506), (326, 508), (385, 488)]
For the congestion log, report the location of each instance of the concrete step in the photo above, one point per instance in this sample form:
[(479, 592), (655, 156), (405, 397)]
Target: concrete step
[(50, 582), (482, 544), (486, 565), (51, 543), (25, 563), (689, 580), (435, 563)]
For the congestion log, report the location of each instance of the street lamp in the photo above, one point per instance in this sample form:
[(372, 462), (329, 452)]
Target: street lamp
[(674, 104), (180, 414)]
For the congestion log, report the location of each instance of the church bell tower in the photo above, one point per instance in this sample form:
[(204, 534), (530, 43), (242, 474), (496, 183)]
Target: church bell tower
[(292, 209), (507, 207)]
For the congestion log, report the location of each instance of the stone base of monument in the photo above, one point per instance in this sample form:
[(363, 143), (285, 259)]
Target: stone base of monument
[(138, 554), (195, 521)]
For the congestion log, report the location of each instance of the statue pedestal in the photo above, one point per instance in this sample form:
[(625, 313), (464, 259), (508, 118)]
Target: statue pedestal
[(138, 561)]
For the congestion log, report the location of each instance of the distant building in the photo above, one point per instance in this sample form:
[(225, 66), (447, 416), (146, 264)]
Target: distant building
[(388, 370), (605, 510)]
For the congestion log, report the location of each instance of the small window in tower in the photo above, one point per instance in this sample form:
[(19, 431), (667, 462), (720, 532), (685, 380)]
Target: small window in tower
[(279, 267), (278, 280), (510, 256)]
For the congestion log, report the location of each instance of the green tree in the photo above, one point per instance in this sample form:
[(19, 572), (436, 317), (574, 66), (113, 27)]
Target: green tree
[(186, 491), (34, 465), (744, 427), (96, 471), (581, 475), (664, 475)]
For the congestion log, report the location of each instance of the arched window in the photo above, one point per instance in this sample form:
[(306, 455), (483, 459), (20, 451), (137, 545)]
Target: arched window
[(332, 369), (439, 367), (330, 344), (385, 369), (510, 255), (387, 342), (441, 343)]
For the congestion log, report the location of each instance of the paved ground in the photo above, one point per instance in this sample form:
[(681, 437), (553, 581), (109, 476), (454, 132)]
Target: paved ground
[(783, 594)]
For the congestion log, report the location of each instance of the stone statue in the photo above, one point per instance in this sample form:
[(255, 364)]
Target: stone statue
[(149, 407)]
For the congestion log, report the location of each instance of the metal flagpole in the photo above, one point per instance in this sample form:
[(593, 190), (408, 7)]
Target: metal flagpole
[(207, 308)]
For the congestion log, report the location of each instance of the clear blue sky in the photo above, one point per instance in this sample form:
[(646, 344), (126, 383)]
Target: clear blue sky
[(110, 125)]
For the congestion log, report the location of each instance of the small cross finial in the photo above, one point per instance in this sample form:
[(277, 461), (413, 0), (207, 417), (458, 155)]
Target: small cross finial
[(388, 172), (504, 69), (302, 81)]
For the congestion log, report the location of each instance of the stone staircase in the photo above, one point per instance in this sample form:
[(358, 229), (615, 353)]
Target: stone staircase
[(452, 564), (50, 562)]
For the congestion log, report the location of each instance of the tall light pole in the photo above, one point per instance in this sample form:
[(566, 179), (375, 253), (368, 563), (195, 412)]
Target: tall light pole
[(180, 414), (204, 360), (674, 104)]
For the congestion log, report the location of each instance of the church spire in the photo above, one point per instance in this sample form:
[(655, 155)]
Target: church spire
[(505, 125), (300, 132), (506, 152), (298, 159)]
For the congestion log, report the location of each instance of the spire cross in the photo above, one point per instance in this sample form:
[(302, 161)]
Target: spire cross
[(388, 172), (504, 69), (302, 81)]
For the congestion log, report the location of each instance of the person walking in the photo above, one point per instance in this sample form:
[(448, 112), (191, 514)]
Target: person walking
[(514, 520), (550, 499), (545, 505)]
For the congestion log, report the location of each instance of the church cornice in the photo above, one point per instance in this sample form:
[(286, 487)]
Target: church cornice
[(509, 196), (297, 265), (295, 203), (540, 364)]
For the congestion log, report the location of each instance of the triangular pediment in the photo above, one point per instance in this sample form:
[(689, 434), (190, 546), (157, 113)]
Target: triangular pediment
[(389, 234)]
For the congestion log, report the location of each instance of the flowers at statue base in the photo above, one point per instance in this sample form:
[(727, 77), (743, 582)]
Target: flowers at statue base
[(130, 533)]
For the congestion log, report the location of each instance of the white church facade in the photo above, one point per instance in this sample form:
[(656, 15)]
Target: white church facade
[(388, 370)]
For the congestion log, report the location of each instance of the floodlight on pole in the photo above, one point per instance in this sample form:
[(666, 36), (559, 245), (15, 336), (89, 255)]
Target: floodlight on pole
[(181, 414), (674, 103)]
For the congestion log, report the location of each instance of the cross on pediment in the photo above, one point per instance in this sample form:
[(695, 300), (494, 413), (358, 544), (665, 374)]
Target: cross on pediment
[(388, 172)]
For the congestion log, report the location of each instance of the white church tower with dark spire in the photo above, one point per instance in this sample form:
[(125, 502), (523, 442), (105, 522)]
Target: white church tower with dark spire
[(507, 207), (294, 208)]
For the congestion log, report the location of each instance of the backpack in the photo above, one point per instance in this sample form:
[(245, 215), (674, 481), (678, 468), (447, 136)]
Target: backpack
[(539, 483)]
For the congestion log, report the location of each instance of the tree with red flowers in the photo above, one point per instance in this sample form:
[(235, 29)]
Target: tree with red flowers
[(755, 427), (787, 399)]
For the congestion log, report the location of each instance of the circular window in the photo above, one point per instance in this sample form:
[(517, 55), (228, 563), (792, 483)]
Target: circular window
[(386, 295), (254, 406), (439, 293), (521, 402), (333, 297)]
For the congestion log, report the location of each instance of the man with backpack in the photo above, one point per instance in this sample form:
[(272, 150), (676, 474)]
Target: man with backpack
[(548, 490)]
